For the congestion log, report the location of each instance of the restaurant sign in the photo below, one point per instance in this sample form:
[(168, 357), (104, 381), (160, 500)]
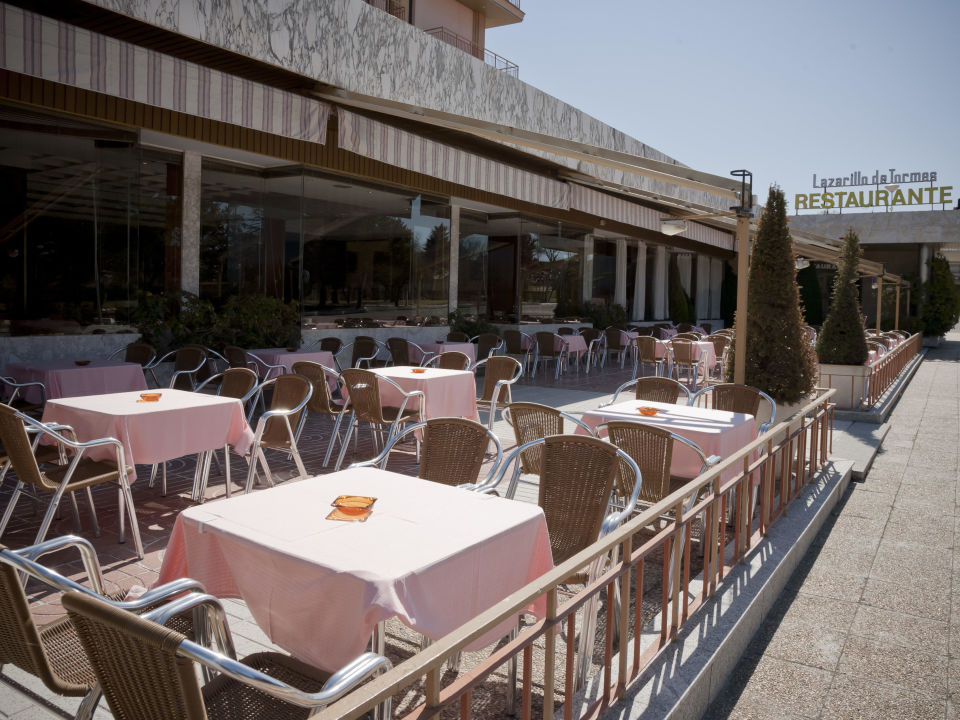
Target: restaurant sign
[(840, 193)]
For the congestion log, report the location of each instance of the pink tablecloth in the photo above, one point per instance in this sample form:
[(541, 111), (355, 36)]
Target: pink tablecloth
[(716, 432), (468, 349), (576, 344), (280, 356), (180, 423), (447, 393), (64, 378), (433, 555)]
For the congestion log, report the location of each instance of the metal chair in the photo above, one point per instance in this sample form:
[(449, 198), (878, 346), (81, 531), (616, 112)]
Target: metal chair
[(550, 346), (500, 372), (321, 400), (147, 670), (520, 346), (53, 652), (450, 360), (400, 352), (364, 350), (364, 405), (686, 356), (187, 363), (57, 480), (452, 451), (13, 393), (655, 389), (140, 353), (576, 494), (329, 344), (277, 429), (692, 336), (616, 344), (237, 357), (487, 344), (456, 336), (721, 344), (731, 397), (650, 351), (596, 346), (565, 330)]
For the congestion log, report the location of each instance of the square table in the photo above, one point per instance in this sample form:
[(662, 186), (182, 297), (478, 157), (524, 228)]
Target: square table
[(716, 432), (447, 393), (432, 555), (180, 423), (64, 378)]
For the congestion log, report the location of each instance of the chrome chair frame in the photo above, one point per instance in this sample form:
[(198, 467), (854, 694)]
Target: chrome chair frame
[(425, 355), (360, 360), (256, 452), (560, 356), (435, 360), (7, 381), (492, 410), (664, 363), (628, 383), (190, 373), (762, 427), (496, 349)]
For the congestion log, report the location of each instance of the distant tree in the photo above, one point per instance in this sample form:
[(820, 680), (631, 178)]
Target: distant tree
[(841, 340), (778, 358), (941, 299), (680, 305)]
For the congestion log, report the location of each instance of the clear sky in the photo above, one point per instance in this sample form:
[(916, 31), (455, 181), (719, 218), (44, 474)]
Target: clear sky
[(784, 89)]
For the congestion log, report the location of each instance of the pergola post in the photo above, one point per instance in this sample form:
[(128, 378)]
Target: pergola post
[(743, 270), (896, 314), (879, 299)]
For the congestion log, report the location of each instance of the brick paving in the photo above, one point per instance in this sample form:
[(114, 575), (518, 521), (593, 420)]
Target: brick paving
[(868, 627)]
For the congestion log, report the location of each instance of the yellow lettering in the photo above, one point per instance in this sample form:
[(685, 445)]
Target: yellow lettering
[(800, 202), (881, 197), (929, 192), (945, 194), (918, 194), (852, 200), (814, 201), (827, 201), (898, 198)]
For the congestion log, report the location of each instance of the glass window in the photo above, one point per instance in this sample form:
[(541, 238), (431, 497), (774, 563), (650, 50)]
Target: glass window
[(604, 270)]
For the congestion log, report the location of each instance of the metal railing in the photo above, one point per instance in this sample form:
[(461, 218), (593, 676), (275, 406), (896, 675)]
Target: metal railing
[(778, 464), (885, 370), (478, 51), (394, 7)]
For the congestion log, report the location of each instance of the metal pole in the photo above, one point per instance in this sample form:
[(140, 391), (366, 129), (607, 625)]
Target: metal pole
[(896, 314), (879, 299), (743, 270)]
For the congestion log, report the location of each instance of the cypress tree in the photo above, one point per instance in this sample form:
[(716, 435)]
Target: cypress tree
[(810, 295), (842, 340), (778, 358), (941, 299)]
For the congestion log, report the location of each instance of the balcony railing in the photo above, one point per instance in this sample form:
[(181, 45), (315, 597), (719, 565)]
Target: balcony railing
[(478, 51), (394, 7)]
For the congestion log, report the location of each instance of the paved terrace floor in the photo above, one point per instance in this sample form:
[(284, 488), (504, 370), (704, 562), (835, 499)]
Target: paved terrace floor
[(869, 626)]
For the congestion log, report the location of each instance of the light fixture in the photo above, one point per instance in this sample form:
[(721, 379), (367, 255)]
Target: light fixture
[(674, 226), (873, 284), (891, 188), (802, 263)]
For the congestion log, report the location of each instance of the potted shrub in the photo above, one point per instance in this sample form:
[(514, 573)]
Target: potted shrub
[(841, 345), (941, 301), (778, 359)]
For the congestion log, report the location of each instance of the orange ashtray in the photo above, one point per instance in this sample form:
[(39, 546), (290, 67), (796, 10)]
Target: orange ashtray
[(648, 411), (418, 370), (354, 502), (81, 363), (149, 397), (349, 514)]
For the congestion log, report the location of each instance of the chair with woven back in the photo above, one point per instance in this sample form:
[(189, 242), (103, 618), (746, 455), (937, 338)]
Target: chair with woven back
[(499, 373), (452, 451), (449, 360), (650, 351), (52, 652), (363, 351), (55, 481), (364, 404), (565, 330), (732, 397), (279, 427), (519, 346), (617, 344), (329, 344), (577, 478), (321, 400), (188, 362), (149, 672), (655, 389), (693, 336), (686, 356), (487, 344), (596, 350), (455, 336), (721, 344), (16, 395), (550, 346), (405, 352), (140, 353)]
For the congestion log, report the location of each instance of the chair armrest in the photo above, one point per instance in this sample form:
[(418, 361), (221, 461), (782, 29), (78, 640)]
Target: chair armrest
[(161, 593), (162, 359), (88, 556), (210, 619)]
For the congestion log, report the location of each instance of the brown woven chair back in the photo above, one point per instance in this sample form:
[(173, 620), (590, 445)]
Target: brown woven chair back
[(684, 327), (187, 358), (736, 398), (399, 350), (575, 486), (453, 360), (644, 331), (321, 401), (237, 382), (63, 667), (652, 449), (363, 346), (364, 389), (879, 347), (565, 331), (694, 337), (485, 343), (545, 344), (455, 336), (647, 350), (590, 334), (136, 662), (660, 389), (16, 444), (499, 367), (452, 451), (139, 353), (720, 343), (683, 352), (514, 340), (614, 339), (331, 344), (236, 356), (532, 421), (288, 392)]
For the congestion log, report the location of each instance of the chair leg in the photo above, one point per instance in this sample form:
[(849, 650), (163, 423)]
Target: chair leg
[(298, 461), (126, 495), (93, 514), (75, 511), (11, 504), (89, 704), (226, 466), (511, 687), (351, 423), (334, 436), (48, 516), (153, 475)]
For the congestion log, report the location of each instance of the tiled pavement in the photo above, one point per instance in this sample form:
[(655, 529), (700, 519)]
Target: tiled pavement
[(869, 626)]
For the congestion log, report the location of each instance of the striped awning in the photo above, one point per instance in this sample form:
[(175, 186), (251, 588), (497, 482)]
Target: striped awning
[(385, 143), (41, 47), (618, 209)]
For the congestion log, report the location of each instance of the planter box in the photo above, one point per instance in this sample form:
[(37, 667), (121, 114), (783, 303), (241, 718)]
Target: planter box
[(850, 382)]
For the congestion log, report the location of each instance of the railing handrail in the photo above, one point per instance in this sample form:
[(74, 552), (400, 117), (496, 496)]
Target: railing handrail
[(471, 48), (432, 658)]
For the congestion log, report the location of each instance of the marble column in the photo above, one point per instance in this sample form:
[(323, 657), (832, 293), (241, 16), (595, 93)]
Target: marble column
[(587, 289), (190, 237), (640, 283), (620, 280), (660, 284), (703, 287), (453, 288), (716, 282)]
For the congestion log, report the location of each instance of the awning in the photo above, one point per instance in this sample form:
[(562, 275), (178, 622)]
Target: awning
[(41, 47), (385, 143)]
